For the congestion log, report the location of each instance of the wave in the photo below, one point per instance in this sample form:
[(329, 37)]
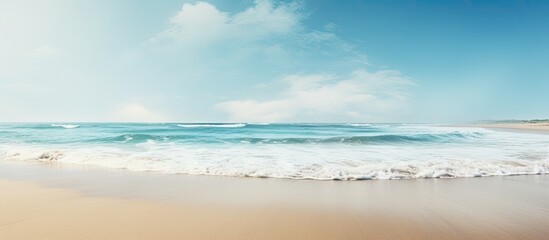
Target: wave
[(317, 163), (376, 139), (356, 140), (232, 125), (67, 126), (134, 138), (296, 151), (360, 124)]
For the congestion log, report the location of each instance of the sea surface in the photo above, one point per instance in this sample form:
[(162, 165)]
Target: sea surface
[(296, 151)]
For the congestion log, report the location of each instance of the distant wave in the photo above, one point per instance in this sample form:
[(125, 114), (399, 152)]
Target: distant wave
[(134, 138), (366, 140), (360, 124), (67, 126), (232, 125), (376, 139)]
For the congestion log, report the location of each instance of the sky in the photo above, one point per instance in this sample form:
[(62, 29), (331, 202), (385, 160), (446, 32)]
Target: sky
[(273, 61)]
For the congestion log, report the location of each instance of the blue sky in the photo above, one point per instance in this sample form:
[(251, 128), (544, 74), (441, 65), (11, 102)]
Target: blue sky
[(273, 61)]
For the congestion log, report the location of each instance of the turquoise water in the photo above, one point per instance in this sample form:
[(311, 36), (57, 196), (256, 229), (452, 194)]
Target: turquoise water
[(299, 151)]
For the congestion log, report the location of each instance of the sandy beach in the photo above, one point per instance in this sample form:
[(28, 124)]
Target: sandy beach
[(64, 202), (540, 127)]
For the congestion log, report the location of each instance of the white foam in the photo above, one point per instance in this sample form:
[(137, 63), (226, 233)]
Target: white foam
[(127, 138), (493, 153), (232, 125), (494, 156), (360, 124), (67, 126)]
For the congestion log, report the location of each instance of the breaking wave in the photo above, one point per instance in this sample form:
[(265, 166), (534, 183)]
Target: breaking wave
[(295, 151), (315, 162), (233, 125), (67, 126)]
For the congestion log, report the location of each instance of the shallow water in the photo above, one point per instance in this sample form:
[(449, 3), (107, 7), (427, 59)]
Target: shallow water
[(297, 151)]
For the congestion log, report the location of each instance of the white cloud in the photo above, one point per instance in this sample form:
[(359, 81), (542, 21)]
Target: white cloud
[(265, 18), (360, 96), (201, 23), (134, 112)]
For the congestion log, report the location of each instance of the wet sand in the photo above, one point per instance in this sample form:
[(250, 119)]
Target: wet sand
[(65, 202)]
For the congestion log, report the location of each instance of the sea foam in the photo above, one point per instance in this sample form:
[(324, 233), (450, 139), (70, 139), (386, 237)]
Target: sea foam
[(235, 125), (307, 151), (67, 126)]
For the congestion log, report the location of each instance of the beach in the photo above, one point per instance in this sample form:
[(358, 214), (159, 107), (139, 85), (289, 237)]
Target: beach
[(119, 188), (274, 120), (71, 202), (538, 127)]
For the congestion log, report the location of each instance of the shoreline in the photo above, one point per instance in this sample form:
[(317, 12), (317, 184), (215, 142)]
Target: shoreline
[(60, 202), (537, 128)]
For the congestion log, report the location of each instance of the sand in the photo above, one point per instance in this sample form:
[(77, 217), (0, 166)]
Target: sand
[(33, 212), (541, 127), (64, 202)]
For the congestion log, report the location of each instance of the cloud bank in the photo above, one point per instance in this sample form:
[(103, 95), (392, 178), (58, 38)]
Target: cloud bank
[(360, 96)]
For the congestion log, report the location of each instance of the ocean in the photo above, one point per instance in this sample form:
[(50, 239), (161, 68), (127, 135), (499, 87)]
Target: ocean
[(295, 151)]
